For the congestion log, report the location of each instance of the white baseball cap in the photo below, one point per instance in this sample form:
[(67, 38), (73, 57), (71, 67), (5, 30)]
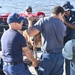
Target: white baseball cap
[(67, 50)]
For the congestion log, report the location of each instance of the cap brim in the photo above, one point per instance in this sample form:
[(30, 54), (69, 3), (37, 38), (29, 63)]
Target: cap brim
[(21, 19), (66, 9)]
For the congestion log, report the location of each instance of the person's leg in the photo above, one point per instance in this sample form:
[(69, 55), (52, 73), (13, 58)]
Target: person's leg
[(58, 68), (19, 69), (67, 67), (46, 64), (72, 68)]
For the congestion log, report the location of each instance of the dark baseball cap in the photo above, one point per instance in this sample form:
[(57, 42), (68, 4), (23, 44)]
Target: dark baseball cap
[(14, 17), (28, 7), (67, 6)]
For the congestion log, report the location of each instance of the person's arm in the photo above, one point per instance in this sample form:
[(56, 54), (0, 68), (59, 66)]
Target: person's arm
[(31, 30), (30, 56), (68, 24)]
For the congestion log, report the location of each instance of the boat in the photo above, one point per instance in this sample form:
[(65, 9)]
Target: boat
[(3, 18)]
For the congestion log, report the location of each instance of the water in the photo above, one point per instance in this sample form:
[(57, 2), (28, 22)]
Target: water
[(38, 5)]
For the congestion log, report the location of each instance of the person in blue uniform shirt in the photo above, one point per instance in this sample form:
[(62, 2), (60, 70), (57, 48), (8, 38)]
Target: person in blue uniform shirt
[(52, 31), (13, 45), (69, 20)]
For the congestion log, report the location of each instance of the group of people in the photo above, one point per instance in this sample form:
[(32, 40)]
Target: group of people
[(55, 31), (69, 21)]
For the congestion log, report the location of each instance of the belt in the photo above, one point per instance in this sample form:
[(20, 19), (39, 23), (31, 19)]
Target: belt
[(50, 52), (12, 63)]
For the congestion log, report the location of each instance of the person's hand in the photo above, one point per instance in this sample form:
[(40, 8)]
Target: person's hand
[(34, 63), (30, 21), (63, 20), (31, 18)]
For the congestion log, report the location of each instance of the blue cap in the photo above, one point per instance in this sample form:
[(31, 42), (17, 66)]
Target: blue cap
[(67, 6), (14, 17)]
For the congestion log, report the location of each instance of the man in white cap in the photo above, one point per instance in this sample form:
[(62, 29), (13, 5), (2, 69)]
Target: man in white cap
[(69, 53)]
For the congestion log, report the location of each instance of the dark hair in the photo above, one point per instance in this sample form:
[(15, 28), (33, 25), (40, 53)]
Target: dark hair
[(29, 7), (57, 10)]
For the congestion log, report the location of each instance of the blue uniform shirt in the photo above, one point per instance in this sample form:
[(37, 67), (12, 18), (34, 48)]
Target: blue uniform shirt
[(52, 34), (70, 33), (12, 42)]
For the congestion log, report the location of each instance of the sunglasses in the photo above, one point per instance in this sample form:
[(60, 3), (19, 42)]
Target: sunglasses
[(29, 10)]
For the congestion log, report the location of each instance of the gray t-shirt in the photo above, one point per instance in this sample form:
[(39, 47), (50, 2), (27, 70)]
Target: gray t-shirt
[(52, 33)]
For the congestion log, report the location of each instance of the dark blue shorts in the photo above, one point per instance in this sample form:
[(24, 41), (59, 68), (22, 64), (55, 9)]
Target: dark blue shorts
[(18, 69)]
